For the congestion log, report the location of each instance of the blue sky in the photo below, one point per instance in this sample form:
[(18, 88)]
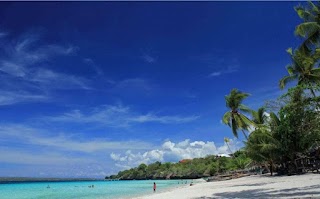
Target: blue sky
[(88, 89)]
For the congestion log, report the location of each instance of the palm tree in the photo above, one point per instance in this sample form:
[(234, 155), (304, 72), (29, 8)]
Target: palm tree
[(227, 140), (262, 145), (310, 27), (303, 69), (234, 118), (242, 161), (259, 117)]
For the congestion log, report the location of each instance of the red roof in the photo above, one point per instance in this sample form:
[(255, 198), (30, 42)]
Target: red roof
[(184, 160)]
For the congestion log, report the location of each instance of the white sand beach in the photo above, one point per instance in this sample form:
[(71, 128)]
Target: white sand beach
[(298, 186)]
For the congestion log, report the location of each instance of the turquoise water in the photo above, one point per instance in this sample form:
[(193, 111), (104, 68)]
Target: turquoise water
[(80, 190)]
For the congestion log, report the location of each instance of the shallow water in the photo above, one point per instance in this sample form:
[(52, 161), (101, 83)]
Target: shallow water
[(80, 190)]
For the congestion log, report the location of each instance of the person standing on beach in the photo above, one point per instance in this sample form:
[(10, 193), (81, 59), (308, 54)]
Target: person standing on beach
[(154, 187)]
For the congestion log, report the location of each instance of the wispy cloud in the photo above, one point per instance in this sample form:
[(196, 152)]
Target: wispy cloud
[(29, 47), (50, 79), (163, 119), (221, 63), (63, 141), (13, 97), (215, 74), (133, 84), (95, 67), (26, 52), (228, 69), (148, 58), (3, 34), (12, 69), (21, 63), (37, 158), (118, 116)]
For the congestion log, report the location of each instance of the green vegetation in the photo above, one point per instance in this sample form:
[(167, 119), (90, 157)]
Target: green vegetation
[(235, 118), (279, 140), (286, 138), (185, 169), (293, 133)]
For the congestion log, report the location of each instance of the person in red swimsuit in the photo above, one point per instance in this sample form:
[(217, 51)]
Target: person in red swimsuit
[(154, 187)]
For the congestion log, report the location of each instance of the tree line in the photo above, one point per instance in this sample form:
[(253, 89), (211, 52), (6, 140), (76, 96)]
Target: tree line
[(291, 129), (185, 169)]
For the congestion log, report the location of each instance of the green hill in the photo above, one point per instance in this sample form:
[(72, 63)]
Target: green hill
[(185, 169)]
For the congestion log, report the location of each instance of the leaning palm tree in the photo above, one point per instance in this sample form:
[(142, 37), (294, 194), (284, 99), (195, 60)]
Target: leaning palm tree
[(235, 118), (227, 140), (310, 27), (303, 69)]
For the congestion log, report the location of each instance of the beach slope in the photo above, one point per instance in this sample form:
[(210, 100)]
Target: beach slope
[(299, 186)]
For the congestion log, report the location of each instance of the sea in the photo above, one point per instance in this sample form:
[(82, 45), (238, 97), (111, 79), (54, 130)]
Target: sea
[(82, 190)]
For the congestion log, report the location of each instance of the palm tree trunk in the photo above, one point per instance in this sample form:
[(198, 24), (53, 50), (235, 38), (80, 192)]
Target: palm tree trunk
[(314, 96), (267, 167), (271, 168), (245, 135), (265, 164), (230, 150)]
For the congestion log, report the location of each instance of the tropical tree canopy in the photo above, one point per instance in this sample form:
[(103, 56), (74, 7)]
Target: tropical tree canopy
[(288, 136), (310, 27), (303, 69), (235, 118)]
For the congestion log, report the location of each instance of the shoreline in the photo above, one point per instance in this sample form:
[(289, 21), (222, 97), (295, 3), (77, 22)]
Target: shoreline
[(298, 186), (167, 189)]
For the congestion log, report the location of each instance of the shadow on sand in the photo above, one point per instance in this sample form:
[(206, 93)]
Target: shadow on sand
[(268, 193)]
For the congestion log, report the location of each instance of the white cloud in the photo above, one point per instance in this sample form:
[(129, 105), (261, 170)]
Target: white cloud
[(173, 152), (130, 159), (118, 116)]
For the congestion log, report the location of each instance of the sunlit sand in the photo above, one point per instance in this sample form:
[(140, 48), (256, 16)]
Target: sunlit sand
[(299, 186)]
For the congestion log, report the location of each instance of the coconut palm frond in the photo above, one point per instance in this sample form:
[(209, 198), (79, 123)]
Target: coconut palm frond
[(234, 118), (285, 80)]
